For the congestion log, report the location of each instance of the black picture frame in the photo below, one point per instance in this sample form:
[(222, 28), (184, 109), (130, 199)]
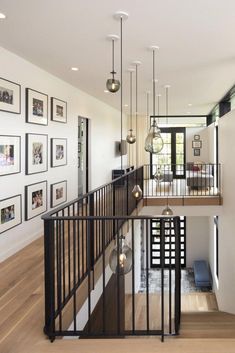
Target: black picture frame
[(30, 212), (5, 204), (197, 152), (196, 137), (33, 164), (15, 141), (197, 144), (79, 162), (53, 190), (79, 131), (58, 149), (55, 113), (14, 89), (79, 147), (36, 113)]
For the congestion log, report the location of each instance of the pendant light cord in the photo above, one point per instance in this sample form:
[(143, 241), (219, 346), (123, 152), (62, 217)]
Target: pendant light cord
[(154, 87), (147, 125), (131, 98), (167, 105), (113, 57), (121, 91), (136, 113)]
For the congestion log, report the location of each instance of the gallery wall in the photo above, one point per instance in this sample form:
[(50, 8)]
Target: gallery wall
[(104, 131)]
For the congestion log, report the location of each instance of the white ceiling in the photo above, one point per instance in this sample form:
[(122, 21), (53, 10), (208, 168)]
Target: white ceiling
[(196, 40)]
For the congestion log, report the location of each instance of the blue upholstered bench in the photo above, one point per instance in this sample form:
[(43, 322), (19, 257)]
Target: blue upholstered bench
[(202, 274)]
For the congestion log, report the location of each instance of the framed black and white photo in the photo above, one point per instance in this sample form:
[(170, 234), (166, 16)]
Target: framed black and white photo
[(196, 137), (58, 110), (10, 154), (79, 162), (35, 199), (58, 152), (36, 107), (10, 96), (197, 144), (58, 193), (79, 147), (36, 153), (197, 152), (10, 213)]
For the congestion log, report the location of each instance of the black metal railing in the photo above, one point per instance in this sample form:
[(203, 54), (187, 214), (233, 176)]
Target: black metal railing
[(78, 239), (182, 180)]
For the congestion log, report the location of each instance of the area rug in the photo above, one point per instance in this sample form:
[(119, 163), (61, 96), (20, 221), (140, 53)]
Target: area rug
[(187, 281)]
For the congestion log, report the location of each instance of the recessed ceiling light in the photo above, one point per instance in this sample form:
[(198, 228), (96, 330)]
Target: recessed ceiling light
[(189, 113), (106, 91), (2, 16), (125, 105), (74, 68), (189, 104)]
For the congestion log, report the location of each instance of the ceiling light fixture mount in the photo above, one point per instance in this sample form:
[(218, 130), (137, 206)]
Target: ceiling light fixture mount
[(113, 84)]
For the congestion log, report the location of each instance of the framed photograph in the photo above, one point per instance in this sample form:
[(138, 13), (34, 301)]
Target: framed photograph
[(35, 199), (79, 131), (10, 213), (36, 153), (36, 107), (58, 110), (58, 152), (10, 96), (197, 144), (197, 152), (196, 137), (79, 162), (58, 193), (79, 147), (10, 153)]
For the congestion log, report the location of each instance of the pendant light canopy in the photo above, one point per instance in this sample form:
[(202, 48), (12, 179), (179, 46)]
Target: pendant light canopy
[(113, 84), (137, 191), (154, 142), (121, 257), (131, 138)]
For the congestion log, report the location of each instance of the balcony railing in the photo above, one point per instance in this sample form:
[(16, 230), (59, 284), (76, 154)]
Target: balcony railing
[(78, 239), (182, 180)]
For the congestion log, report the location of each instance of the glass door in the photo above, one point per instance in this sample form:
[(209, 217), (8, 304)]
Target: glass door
[(172, 156)]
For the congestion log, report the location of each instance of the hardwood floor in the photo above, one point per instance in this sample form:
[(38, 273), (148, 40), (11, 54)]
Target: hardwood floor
[(22, 315)]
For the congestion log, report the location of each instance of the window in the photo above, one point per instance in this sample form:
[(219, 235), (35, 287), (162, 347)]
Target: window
[(169, 251)]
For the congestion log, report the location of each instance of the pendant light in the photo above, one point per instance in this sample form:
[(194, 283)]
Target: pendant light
[(121, 255), (136, 192), (154, 142), (125, 257), (131, 137), (113, 84), (167, 210)]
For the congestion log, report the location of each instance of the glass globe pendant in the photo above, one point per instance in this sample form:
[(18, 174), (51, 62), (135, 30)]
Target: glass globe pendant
[(130, 137), (167, 211), (158, 176), (112, 84), (154, 142), (124, 261), (137, 192)]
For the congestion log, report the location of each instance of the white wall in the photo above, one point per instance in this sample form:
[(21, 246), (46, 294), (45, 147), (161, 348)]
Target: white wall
[(197, 239), (104, 131), (204, 156), (226, 289)]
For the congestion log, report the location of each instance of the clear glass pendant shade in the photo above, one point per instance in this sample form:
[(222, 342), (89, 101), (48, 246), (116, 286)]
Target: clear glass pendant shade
[(158, 176), (167, 211), (154, 142), (130, 137), (125, 258), (112, 85), (137, 192)]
